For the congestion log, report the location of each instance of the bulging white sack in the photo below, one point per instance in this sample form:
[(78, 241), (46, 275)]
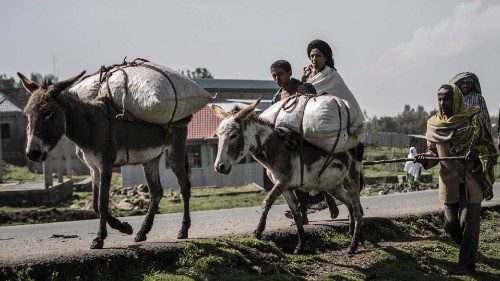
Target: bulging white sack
[(150, 95), (321, 122)]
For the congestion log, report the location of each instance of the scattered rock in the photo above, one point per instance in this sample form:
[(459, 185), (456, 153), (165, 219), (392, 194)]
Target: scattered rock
[(124, 205), (382, 192), (175, 199)]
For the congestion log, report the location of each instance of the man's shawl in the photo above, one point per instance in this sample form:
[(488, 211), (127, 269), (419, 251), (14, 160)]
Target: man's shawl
[(464, 131)]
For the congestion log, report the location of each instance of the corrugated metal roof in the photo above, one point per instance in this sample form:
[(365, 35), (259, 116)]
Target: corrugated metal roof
[(204, 123), (209, 83), (7, 106)]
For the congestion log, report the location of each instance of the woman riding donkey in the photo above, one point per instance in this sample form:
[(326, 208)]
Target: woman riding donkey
[(323, 76), (281, 72)]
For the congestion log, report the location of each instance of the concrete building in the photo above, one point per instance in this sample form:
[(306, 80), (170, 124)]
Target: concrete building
[(13, 131)]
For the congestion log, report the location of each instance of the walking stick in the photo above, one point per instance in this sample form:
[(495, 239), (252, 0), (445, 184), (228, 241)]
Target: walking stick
[(367, 163)]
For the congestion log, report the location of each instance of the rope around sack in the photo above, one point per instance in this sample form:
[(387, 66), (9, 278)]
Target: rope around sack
[(329, 158), (106, 71), (398, 160)]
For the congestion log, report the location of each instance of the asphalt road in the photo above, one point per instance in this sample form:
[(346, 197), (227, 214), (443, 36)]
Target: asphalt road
[(34, 243)]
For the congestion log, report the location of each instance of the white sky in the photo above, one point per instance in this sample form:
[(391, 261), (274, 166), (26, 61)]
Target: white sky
[(389, 52)]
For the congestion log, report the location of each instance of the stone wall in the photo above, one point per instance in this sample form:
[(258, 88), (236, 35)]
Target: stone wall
[(54, 195)]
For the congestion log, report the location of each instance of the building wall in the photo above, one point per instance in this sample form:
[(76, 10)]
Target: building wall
[(241, 174), (397, 140), (13, 147)]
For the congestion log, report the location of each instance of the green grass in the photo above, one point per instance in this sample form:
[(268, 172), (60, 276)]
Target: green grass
[(414, 248), (405, 249), (18, 173)]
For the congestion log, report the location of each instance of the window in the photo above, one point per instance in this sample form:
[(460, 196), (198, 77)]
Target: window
[(194, 155), (5, 127)]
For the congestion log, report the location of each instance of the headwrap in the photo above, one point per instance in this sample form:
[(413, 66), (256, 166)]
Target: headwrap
[(325, 49), (441, 128), (467, 77), (463, 131)]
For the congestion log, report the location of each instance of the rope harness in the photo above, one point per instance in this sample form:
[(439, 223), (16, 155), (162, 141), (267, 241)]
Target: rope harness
[(105, 73), (330, 156)]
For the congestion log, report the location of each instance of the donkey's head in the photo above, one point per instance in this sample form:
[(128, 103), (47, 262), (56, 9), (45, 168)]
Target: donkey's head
[(46, 119), (233, 136)]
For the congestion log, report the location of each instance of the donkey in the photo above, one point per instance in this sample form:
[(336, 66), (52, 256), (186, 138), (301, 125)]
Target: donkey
[(241, 132), (104, 142)]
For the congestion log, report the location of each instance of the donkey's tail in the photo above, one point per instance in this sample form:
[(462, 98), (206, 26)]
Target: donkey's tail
[(359, 154)]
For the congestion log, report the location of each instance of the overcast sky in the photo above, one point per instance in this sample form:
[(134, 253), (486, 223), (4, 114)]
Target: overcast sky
[(389, 52)]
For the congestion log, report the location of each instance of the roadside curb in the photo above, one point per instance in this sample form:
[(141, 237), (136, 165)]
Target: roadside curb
[(165, 255)]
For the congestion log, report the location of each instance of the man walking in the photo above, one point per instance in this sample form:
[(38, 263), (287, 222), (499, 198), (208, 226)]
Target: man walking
[(463, 184)]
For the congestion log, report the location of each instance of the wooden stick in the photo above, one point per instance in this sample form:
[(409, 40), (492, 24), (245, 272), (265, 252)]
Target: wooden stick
[(366, 163)]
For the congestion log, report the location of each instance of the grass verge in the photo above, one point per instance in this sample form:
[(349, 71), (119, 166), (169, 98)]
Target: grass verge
[(414, 248)]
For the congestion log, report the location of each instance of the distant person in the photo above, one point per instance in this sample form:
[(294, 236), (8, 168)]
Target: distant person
[(412, 170), (463, 184), (471, 89), (281, 71)]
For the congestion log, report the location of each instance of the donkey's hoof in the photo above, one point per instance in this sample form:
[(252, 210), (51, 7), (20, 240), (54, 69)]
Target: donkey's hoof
[(126, 228), (351, 250), (334, 215), (97, 244), (257, 234), (140, 237), (182, 235), (299, 250)]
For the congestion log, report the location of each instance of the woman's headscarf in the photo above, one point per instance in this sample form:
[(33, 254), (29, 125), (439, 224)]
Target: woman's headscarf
[(325, 49), (467, 77)]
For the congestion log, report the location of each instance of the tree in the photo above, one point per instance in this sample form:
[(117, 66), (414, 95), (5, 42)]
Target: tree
[(7, 82), (199, 72), (409, 121)]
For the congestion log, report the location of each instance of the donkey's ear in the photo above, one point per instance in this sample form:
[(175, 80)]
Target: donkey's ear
[(63, 85), (28, 84), (246, 110), (219, 112)]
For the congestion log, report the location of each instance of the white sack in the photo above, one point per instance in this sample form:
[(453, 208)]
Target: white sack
[(321, 122), (150, 95)]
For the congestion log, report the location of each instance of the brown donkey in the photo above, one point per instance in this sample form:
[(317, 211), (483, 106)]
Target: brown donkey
[(103, 142), (242, 132)]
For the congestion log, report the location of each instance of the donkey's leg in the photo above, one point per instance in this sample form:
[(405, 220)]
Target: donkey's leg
[(178, 160), (302, 198), (96, 178), (340, 193), (356, 216), (332, 205), (291, 200), (156, 191), (104, 183), (104, 215), (276, 191)]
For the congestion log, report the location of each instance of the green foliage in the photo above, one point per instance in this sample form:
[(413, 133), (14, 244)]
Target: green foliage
[(199, 72), (409, 121), (13, 172), (166, 277)]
